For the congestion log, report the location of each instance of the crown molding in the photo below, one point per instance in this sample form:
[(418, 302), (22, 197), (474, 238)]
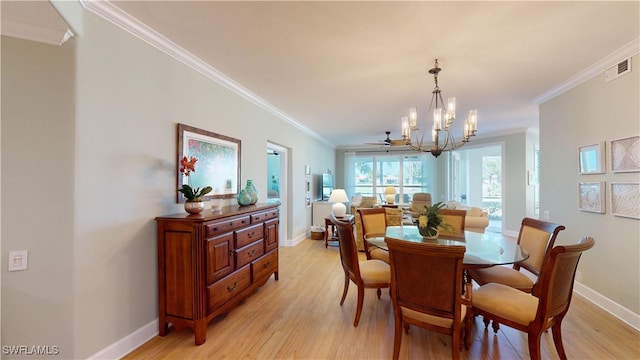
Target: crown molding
[(599, 67), (34, 30), (116, 16)]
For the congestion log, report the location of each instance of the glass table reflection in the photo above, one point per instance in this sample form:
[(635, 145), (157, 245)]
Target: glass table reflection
[(482, 250)]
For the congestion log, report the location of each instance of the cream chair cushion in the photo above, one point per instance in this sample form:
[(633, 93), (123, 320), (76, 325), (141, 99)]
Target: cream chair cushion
[(506, 302), (504, 275), (374, 271)]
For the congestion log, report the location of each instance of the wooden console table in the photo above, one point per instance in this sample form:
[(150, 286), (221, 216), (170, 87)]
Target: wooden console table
[(330, 229), (208, 263)]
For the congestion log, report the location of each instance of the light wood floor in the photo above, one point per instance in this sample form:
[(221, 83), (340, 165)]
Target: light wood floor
[(299, 317)]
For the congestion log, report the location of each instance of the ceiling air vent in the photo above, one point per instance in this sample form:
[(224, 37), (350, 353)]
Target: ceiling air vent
[(618, 70)]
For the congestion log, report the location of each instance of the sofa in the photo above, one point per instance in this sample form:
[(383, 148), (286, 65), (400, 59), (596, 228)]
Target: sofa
[(476, 220)]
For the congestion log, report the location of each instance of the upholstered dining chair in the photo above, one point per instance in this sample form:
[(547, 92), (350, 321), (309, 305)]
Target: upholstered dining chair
[(544, 308), (536, 237), (374, 221), (365, 274), (455, 221), (426, 291)]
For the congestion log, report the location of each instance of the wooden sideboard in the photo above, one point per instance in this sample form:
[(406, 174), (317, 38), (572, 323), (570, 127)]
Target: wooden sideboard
[(209, 262)]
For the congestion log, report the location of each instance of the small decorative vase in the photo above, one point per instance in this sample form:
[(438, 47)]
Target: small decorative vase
[(251, 190), (244, 198), (194, 207)]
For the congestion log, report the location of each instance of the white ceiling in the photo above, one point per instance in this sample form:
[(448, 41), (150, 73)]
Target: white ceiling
[(348, 71)]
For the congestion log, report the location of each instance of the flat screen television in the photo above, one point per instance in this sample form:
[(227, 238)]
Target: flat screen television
[(327, 186)]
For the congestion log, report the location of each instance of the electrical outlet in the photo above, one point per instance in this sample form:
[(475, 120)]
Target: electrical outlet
[(547, 215), (18, 260), (578, 276)]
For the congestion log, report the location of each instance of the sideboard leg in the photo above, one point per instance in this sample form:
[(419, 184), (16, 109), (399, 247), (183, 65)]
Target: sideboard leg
[(200, 331)]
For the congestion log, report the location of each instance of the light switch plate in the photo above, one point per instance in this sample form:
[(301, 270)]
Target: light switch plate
[(18, 260)]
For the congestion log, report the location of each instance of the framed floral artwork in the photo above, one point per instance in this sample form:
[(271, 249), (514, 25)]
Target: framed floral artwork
[(591, 158), (591, 196), (625, 154), (217, 165), (625, 199)]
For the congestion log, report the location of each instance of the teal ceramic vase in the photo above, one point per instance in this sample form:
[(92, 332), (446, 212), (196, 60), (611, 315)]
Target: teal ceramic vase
[(244, 198), (251, 190)]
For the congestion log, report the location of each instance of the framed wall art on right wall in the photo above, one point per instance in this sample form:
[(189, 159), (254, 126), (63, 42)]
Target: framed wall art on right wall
[(625, 199), (625, 154)]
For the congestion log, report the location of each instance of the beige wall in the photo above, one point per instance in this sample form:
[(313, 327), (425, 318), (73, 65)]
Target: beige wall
[(592, 112), (88, 161), (37, 192)]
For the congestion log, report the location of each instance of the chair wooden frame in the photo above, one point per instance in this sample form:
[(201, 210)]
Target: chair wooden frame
[(426, 291), (529, 239), (369, 274), (455, 219), (552, 293), (367, 216)]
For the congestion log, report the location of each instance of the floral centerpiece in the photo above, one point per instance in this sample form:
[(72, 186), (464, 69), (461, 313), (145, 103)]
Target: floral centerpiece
[(430, 219), (193, 195)]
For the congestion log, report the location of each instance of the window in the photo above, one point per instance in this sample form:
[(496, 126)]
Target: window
[(369, 175)]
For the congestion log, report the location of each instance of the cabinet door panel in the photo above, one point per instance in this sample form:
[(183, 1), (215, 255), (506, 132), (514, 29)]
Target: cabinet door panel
[(271, 235), (219, 257)]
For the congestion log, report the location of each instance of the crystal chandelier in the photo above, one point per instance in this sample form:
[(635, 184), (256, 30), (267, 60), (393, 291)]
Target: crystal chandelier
[(441, 138)]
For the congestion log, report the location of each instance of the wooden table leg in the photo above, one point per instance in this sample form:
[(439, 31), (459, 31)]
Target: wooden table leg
[(327, 223)]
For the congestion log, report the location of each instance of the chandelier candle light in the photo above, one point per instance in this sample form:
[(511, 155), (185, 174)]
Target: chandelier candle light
[(442, 119)]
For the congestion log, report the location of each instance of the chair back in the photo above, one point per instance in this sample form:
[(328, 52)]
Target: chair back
[(537, 238), (555, 286), (348, 249), (419, 201), (374, 221), (455, 219), (426, 277)]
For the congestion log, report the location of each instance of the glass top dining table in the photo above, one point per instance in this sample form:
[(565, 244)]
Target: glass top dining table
[(482, 250)]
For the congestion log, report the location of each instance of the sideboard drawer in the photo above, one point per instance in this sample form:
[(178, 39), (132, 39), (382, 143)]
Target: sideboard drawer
[(227, 288), (229, 224), (265, 215), (264, 266), (248, 235), (249, 253)]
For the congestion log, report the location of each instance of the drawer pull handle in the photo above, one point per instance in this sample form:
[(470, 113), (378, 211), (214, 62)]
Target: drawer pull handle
[(250, 235), (230, 223), (267, 264), (251, 253), (215, 229), (232, 288)]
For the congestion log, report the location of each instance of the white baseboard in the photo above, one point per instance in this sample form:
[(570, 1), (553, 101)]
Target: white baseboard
[(128, 343), (608, 305), (298, 239)]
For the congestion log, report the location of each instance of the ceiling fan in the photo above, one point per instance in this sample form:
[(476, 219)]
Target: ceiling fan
[(389, 142)]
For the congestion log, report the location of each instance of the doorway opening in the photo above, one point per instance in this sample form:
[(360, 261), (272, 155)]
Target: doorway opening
[(277, 184), (476, 180)]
